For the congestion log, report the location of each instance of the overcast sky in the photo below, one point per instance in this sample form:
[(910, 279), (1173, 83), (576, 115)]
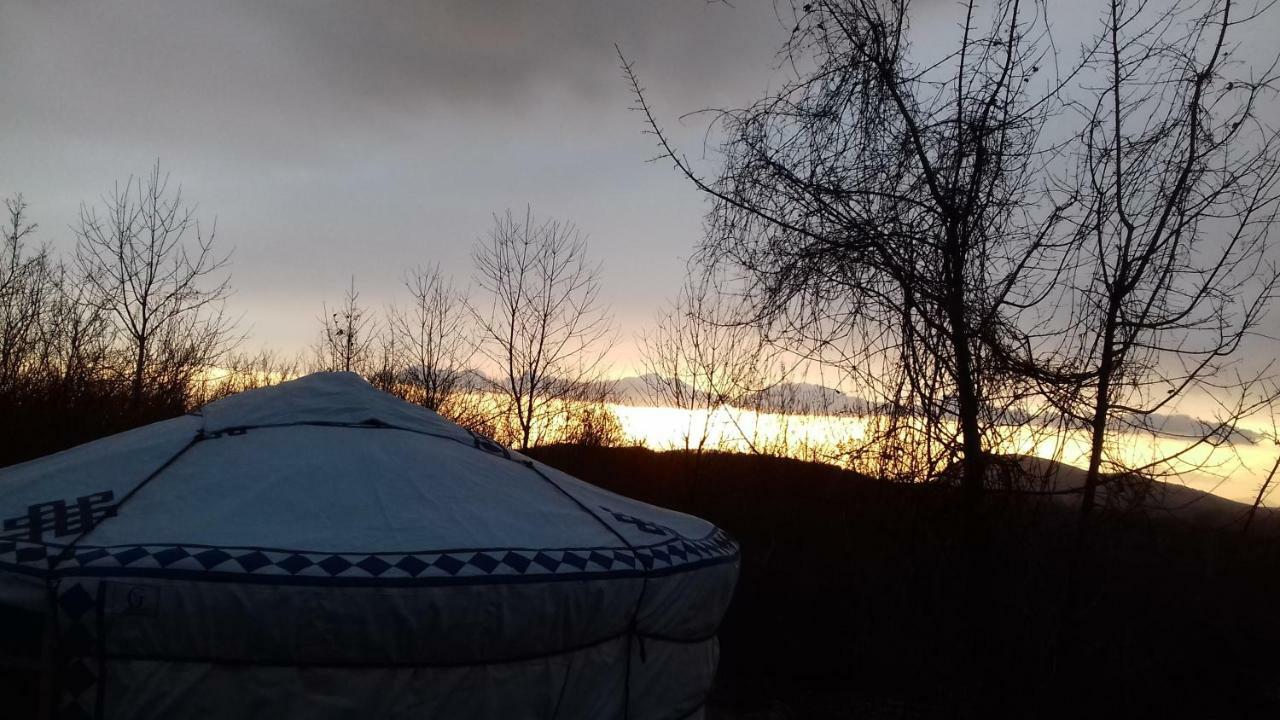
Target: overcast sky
[(332, 139), (357, 138)]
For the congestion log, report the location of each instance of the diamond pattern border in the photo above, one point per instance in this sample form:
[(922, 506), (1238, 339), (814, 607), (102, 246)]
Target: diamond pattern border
[(80, 667), (423, 565)]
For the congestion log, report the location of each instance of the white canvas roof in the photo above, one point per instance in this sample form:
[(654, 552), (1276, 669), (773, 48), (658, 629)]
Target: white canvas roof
[(323, 549)]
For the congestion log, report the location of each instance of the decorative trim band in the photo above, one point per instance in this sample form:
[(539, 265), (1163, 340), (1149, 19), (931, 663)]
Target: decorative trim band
[(447, 567)]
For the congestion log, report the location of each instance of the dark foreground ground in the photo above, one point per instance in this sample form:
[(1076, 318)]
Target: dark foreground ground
[(864, 600)]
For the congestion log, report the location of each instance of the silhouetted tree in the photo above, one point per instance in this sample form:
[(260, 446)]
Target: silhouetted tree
[(589, 421), (544, 328), (26, 292), (349, 333), (150, 267), (1177, 180), (886, 216), (433, 338), (699, 358), (245, 371), (54, 350)]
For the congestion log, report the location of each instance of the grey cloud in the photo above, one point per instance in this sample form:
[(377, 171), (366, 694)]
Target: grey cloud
[(333, 138), (339, 138), (495, 52), (285, 68)]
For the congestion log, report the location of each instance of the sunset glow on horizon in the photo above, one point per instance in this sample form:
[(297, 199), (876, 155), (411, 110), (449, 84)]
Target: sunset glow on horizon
[(1234, 471)]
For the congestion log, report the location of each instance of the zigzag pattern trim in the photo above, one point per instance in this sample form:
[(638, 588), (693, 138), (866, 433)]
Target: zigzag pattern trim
[(423, 567)]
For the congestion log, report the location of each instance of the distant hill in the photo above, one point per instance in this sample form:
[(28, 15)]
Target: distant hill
[(860, 598), (635, 390), (806, 399), (1186, 426), (474, 380), (798, 398), (1128, 493)]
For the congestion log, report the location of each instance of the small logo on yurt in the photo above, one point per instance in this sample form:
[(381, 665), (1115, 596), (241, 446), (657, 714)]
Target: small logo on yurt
[(141, 600)]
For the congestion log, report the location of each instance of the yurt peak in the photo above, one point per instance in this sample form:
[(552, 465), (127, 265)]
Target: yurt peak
[(337, 398)]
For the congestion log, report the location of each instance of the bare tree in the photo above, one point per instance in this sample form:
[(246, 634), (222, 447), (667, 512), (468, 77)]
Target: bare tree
[(1179, 174), (153, 270), (79, 336), (54, 347), (347, 340), (15, 232), (886, 217), (545, 329), (432, 337), (700, 358), (588, 419), (244, 371), (385, 370), (26, 291)]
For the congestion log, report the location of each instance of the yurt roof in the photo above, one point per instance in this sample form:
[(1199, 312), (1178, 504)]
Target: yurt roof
[(327, 466)]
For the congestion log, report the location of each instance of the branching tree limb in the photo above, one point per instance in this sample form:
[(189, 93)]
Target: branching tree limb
[(545, 328), (152, 270)]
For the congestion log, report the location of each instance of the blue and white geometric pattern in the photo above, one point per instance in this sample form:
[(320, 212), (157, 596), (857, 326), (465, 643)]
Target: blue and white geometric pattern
[(453, 565), (81, 667)]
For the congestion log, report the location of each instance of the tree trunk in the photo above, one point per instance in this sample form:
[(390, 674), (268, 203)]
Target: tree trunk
[(1101, 412), (139, 367), (1257, 501), (526, 424), (974, 462)]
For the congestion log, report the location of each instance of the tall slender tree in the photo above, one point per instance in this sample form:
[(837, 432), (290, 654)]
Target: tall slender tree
[(347, 339), (433, 337), (699, 358), (544, 328), (153, 270)]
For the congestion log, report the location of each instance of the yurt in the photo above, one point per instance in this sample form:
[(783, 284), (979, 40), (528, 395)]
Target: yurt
[(320, 549)]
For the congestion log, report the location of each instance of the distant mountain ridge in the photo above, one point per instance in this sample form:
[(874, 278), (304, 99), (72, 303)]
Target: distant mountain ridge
[(799, 398), (812, 399)]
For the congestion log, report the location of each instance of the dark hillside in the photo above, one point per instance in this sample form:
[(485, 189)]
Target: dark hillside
[(862, 599)]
